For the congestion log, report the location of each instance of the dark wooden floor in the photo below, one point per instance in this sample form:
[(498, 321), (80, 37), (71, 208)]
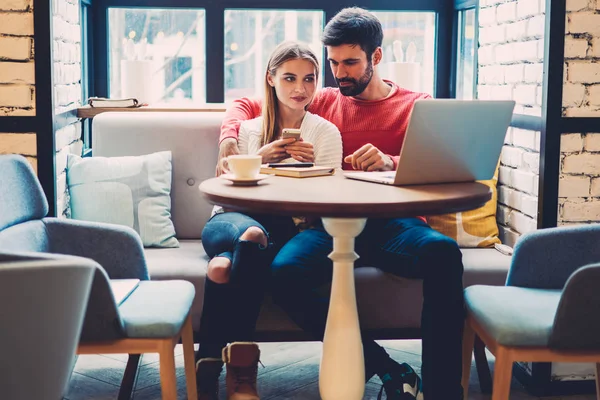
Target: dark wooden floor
[(290, 373)]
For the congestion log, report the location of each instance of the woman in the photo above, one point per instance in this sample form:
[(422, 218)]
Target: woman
[(242, 246)]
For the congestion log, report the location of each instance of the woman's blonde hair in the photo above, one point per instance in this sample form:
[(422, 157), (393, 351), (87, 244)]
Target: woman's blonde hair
[(270, 111)]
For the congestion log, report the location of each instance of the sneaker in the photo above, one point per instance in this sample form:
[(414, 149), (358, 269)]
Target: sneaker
[(207, 378), (401, 383)]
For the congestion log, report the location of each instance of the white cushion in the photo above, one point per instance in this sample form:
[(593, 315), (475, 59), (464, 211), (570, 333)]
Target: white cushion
[(130, 191)]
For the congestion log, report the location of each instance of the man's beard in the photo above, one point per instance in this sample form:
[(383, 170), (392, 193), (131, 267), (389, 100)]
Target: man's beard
[(359, 85)]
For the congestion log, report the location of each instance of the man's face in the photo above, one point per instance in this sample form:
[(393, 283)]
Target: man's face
[(350, 67)]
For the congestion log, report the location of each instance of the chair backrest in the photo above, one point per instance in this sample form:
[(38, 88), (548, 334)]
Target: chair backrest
[(26, 236), (102, 319), (21, 194), (558, 252), (192, 138), (577, 320), (43, 305)]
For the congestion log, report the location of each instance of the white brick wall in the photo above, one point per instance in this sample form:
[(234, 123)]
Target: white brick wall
[(67, 88), (511, 52), (579, 184), (17, 80), (581, 97)]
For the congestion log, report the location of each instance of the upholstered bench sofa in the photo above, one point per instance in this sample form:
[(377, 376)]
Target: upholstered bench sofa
[(389, 306)]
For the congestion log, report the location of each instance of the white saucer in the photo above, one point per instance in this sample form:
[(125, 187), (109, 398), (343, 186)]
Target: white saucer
[(245, 181)]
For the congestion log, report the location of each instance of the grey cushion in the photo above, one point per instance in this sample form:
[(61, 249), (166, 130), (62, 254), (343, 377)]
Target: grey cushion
[(192, 139), (373, 287), (514, 316), (18, 182), (485, 267), (187, 262), (157, 309)]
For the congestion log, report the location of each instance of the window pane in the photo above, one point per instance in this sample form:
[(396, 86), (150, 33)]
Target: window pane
[(465, 78), (157, 55), (410, 66), (251, 36)]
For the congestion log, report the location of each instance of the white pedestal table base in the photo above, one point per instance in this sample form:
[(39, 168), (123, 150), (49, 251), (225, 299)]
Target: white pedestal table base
[(342, 371)]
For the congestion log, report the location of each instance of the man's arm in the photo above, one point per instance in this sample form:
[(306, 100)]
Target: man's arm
[(240, 110), (370, 158)]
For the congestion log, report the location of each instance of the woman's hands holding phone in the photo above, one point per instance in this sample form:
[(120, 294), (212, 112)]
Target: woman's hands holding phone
[(301, 151), (279, 150), (275, 151)]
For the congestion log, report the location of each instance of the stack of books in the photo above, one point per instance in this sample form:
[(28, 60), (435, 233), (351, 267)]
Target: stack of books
[(102, 102), (295, 172)]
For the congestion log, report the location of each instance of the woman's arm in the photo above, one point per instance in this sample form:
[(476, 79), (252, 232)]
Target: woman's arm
[(327, 143), (243, 139)]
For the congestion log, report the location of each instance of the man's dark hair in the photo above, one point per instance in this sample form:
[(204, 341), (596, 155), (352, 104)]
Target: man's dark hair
[(354, 26)]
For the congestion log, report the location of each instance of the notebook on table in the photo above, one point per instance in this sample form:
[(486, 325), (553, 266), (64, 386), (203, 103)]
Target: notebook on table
[(294, 172), (122, 288)]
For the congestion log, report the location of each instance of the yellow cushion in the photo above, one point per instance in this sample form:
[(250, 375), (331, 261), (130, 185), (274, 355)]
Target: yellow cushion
[(473, 228)]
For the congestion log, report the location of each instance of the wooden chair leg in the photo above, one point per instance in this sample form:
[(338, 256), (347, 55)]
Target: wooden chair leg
[(126, 389), (483, 368), (187, 339), (467, 355), (598, 381), (168, 378), (502, 374)]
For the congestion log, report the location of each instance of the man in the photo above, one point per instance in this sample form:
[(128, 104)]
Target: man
[(372, 116)]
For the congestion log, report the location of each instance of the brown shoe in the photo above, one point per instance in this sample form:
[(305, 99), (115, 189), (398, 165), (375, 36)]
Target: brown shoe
[(207, 378), (241, 359)]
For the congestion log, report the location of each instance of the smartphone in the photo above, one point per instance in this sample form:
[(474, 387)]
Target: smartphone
[(292, 165), (290, 133)]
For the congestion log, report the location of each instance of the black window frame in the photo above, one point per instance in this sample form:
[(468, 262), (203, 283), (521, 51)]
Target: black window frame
[(98, 56), (87, 70), (460, 7)]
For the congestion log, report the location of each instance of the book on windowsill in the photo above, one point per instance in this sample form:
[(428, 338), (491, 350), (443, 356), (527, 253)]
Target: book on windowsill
[(297, 172), (100, 102)]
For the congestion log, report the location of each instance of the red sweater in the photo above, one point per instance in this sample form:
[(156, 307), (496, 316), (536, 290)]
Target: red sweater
[(381, 122)]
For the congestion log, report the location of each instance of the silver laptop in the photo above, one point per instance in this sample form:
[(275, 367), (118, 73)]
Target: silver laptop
[(448, 141)]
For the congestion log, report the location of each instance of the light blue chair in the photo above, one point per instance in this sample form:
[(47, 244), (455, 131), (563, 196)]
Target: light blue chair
[(549, 310), (42, 305), (151, 319)]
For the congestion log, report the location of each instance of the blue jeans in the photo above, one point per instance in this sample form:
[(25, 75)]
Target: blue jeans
[(231, 309), (406, 247)]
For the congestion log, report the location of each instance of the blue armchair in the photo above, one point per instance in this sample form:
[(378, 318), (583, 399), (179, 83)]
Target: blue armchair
[(549, 309), (151, 319)]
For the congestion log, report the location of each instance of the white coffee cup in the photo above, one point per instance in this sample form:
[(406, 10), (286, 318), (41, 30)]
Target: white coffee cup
[(242, 166)]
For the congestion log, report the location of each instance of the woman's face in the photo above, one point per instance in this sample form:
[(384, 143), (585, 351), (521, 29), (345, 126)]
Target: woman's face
[(295, 83)]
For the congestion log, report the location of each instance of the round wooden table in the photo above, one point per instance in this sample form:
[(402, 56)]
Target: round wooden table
[(344, 205)]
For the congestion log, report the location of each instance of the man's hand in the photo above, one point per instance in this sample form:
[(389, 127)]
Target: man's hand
[(228, 147), (275, 151), (301, 151), (369, 158)]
